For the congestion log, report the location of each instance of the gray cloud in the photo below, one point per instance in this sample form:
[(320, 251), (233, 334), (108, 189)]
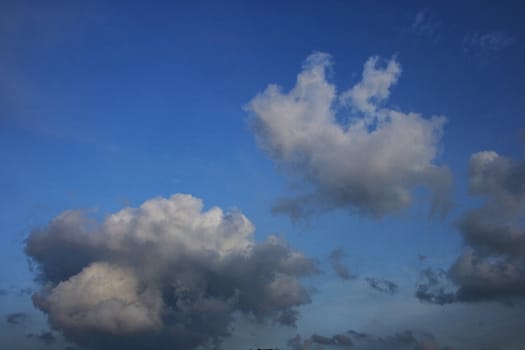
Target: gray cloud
[(367, 163), (25, 291), (298, 343), (340, 269), (434, 287), (164, 275), (17, 292), (16, 317), (426, 25), (493, 264), (406, 340), (383, 286)]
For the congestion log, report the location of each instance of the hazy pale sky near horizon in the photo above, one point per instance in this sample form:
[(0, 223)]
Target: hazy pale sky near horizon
[(243, 174)]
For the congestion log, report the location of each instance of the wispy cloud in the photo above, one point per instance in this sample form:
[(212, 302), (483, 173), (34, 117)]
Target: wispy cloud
[(489, 43), (426, 24), (336, 257)]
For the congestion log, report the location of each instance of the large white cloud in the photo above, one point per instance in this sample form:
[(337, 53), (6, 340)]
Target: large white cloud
[(164, 275), (370, 162)]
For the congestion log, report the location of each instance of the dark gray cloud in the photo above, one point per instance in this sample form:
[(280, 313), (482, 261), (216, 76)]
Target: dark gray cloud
[(425, 24), (369, 164), (164, 275), (340, 269), (3, 292), (16, 317), (383, 286), (492, 268)]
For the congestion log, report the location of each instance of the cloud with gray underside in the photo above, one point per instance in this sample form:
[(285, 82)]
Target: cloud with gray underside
[(165, 275), (347, 150), (492, 267)]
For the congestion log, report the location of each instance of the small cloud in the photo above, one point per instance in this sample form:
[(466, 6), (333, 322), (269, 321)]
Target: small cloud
[(46, 337), (16, 318), (426, 25), (340, 269), (25, 291), (487, 43), (140, 271), (383, 286)]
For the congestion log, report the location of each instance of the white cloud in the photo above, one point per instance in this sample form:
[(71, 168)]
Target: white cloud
[(492, 267), (369, 164)]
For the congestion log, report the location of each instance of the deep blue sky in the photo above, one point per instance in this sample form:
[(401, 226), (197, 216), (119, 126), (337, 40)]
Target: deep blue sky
[(107, 104)]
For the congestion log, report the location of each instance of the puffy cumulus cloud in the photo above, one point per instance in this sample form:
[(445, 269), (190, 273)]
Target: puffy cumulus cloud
[(102, 297), (493, 264), (369, 163), (167, 274), (491, 42)]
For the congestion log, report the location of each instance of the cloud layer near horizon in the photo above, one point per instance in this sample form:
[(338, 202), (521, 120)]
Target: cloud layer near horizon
[(166, 274), (369, 162), (406, 340)]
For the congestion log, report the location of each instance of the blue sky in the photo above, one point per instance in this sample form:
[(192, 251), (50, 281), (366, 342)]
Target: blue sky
[(106, 105)]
